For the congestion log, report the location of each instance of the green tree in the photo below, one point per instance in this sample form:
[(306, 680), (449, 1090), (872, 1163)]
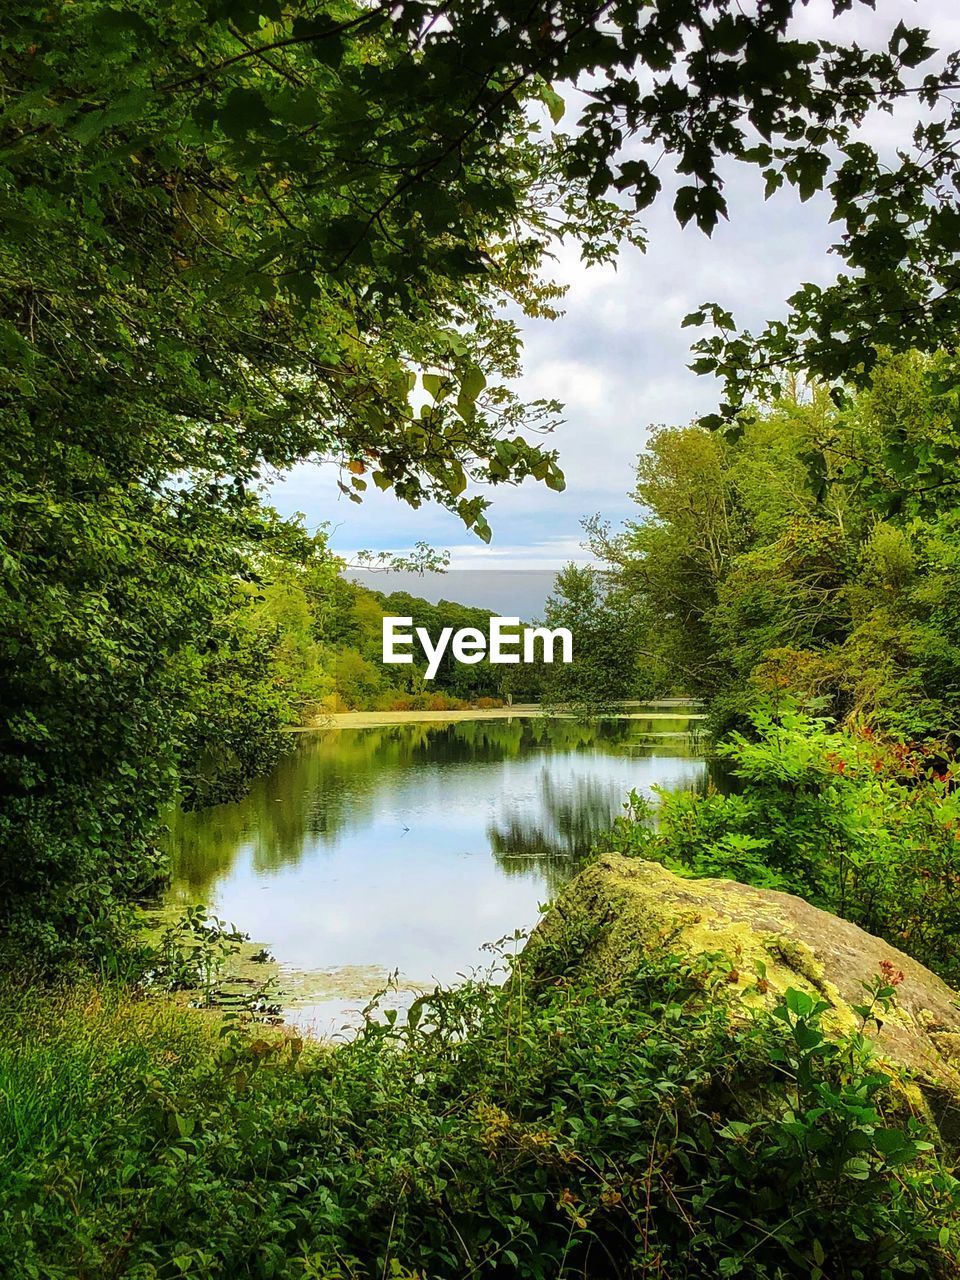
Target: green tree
[(184, 308), (602, 625), (772, 563)]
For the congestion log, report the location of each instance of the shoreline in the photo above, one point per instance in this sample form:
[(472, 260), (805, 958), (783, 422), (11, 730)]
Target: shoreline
[(379, 719)]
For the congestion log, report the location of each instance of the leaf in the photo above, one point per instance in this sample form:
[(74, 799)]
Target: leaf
[(180, 1126), (685, 204), (857, 1168), (909, 45), (798, 1002), (637, 176), (889, 1141), (553, 102), (300, 107), (705, 204), (808, 171), (472, 383), (736, 1129), (243, 111), (326, 45), (806, 1036), (435, 385)]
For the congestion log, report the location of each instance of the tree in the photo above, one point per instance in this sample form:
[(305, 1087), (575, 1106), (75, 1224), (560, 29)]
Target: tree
[(182, 310), (796, 579), (242, 233), (603, 626)]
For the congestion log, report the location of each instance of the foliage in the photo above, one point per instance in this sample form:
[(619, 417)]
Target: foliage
[(458, 680), (72, 1069), (861, 828), (97, 673), (240, 236), (774, 565), (535, 1133), (358, 206), (261, 670), (601, 623), (323, 636), (184, 310), (190, 954)]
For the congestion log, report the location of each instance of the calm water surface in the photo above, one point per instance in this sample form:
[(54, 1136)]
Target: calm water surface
[(407, 848)]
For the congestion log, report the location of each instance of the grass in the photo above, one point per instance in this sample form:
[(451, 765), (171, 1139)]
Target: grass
[(77, 1120), (69, 1055), (519, 1136)]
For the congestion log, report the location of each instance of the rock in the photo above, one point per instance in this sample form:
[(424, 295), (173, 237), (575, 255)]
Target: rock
[(620, 909)]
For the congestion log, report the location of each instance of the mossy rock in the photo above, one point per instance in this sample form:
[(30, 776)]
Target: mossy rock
[(620, 910)]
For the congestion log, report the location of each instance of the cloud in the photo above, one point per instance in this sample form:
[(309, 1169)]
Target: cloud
[(618, 356)]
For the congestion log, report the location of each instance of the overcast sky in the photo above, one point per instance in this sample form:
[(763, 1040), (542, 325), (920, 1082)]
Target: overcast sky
[(617, 358)]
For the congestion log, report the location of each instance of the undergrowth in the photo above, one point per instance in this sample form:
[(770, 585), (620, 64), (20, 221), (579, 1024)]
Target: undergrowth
[(866, 829), (556, 1132)]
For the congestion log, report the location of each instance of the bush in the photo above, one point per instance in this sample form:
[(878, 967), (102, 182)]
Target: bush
[(636, 1133), (424, 702), (862, 828)]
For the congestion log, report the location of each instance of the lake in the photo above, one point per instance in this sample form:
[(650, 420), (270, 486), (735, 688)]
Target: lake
[(405, 849)]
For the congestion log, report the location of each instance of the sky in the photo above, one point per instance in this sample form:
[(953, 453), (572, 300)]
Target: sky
[(618, 357)]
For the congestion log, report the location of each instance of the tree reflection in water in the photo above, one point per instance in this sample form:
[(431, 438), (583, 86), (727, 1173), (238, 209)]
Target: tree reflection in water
[(555, 836), (537, 792)]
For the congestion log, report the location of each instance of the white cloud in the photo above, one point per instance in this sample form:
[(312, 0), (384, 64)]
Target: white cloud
[(618, 356)]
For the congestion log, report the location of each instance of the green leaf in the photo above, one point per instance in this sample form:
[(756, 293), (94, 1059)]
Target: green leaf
[(798, 1002), (472, 382), (436, 385), (554, 103), (243, 111)]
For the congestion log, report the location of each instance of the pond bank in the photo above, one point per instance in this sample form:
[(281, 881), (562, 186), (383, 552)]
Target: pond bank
[(378, 719)]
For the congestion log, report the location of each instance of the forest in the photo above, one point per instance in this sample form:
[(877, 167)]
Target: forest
[(239, 236)]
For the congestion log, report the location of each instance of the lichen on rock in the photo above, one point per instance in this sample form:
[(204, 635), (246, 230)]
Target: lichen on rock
[(619, 910)]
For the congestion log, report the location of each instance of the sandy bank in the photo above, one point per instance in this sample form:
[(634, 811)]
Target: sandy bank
[(374, 719)]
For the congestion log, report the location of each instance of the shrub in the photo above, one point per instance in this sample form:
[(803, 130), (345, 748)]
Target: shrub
[(636, 1133), (862, 828), (425, 701)]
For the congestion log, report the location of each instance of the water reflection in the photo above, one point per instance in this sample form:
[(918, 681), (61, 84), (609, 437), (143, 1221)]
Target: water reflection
[(409, 846), (569, 817)]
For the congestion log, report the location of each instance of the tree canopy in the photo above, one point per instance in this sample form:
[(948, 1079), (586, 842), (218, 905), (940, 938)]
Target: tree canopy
[(238, 234), (772, 567)]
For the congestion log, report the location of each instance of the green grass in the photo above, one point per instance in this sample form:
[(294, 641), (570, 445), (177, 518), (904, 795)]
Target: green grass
[(68, 1058), (514, 1135), (79, 1068)]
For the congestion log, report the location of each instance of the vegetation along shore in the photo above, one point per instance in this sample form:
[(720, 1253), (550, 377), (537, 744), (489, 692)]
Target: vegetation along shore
[(642, 966)]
